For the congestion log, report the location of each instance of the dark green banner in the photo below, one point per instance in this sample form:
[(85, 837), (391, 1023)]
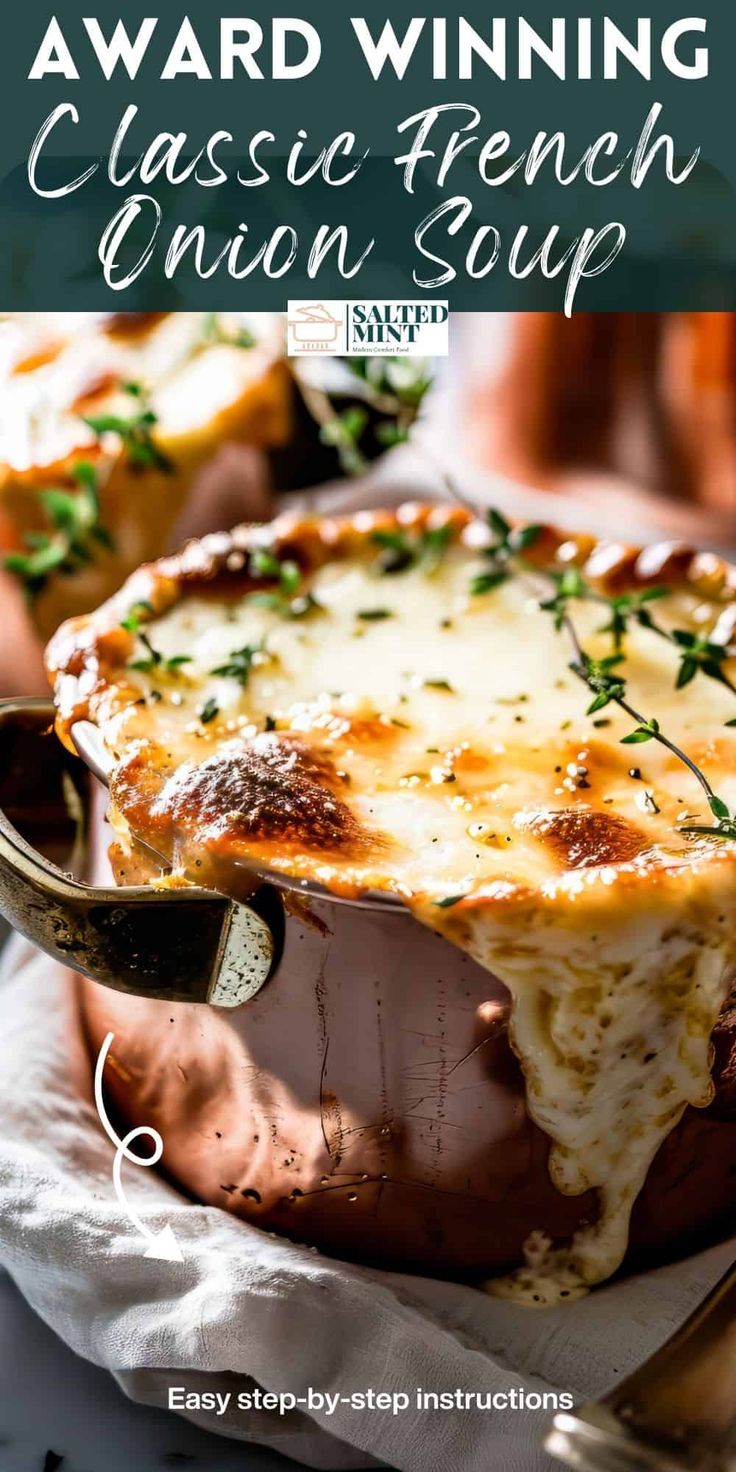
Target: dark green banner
[(493, 159)]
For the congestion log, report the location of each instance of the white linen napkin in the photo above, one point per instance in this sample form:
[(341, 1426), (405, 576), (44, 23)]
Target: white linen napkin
[(247, 1308)]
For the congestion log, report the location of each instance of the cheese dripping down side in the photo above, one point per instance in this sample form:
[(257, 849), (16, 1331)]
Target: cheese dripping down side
[(510, 821), (612, 1031)]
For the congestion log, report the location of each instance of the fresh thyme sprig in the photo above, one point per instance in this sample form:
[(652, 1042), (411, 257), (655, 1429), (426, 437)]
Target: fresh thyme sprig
[(401, 550), (134, 431), (240, 662), (603, 677), (607, 687), (136, 615), (392, 390), (624, 607), (209, 711), (508, 542), (76, 529), (74, 516), (265, 564), (288, 598), (343, 432), (696, 653), (153, 658)]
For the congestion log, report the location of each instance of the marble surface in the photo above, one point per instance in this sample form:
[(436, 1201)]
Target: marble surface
[(50, 1400)]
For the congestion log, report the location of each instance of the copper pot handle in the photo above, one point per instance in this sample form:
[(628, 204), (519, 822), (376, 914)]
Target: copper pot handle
[(187, 945)]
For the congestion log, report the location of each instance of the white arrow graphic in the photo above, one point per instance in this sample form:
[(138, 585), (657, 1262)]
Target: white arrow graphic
[(161, 1244)]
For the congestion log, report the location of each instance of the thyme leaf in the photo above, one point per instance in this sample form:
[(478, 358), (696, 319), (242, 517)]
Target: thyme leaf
[(208, 711), (265, 564), (74, 517), (134, 431), (402, 550), (153, 659), (508, 542), (135, 615), (697, 652), (239, 663), (649, 731), (485, 582), (568, 585), (626, 606), (288, 598), (598, 675), (343, 432)]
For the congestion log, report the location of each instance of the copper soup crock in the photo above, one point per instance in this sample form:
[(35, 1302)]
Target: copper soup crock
[(366, 1100)]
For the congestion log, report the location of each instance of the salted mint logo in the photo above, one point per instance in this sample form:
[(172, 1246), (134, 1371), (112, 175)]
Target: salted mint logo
[(361, 328)]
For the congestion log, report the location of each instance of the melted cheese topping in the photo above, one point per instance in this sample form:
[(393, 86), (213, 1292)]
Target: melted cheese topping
[(450, 736), (53, 371)]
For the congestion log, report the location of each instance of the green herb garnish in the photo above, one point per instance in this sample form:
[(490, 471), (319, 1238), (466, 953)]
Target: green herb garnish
[(343, 432), (402, 550), (154, 660), (135, 432), (286, 599), (698, 653), (390, 390), (568, 585), (648, 731), (626, 606), (77, 530), (208, 711), (485, 582), (239, 663), (135, 616), (397, 552), (507, 542), (604, 677), (390, 433), (265, 564)]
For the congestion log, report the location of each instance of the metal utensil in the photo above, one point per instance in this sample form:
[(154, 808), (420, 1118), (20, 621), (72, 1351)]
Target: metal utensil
[(675, 1414), (91, 748), (181, 945)]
